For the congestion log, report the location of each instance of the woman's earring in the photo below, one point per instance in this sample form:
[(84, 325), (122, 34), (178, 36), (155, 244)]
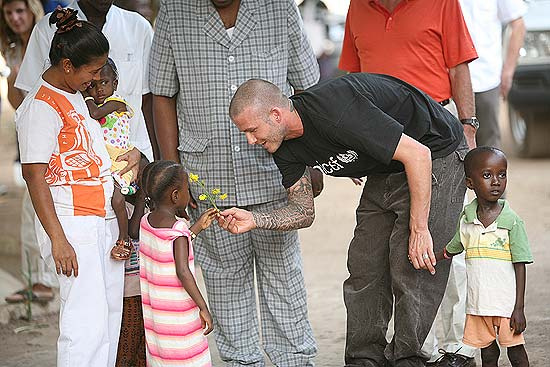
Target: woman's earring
[(67, 71)]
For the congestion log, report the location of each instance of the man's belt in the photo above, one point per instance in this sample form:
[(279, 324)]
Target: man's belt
[(445, 102)]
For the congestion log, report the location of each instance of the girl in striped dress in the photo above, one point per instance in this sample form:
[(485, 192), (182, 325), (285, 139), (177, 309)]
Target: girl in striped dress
[(175, 314)]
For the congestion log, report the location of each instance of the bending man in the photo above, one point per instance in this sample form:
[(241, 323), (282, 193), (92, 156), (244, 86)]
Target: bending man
[(412, 151)]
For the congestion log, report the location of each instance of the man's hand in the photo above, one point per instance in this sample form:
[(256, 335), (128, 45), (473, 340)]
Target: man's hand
[(64, 258), (356, 181), (506, 81), (470, 135), (235, 220), (132, 157), (421, 252), (517, 321), (316, 181)]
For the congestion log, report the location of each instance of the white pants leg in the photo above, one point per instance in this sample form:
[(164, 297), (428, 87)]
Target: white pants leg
[(114, 286), (89, 309), (30, 251)]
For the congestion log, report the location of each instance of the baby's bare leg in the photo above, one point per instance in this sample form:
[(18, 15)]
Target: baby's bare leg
[(119, 206)]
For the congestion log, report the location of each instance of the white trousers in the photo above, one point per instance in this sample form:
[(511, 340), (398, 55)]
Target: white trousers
[(91, 304), (31, 261)]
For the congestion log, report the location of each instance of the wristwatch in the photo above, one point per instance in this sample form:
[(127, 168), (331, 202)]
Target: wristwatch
[(472, 121)]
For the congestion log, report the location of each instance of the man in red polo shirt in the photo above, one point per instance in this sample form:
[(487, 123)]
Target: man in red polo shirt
[(427, 44)]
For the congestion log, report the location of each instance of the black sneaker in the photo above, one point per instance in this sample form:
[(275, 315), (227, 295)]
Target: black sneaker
[(450, 359)]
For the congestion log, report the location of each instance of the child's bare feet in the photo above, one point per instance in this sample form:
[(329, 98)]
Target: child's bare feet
[(121, 250)]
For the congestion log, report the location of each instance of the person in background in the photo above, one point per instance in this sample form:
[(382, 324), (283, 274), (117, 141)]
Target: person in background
[(315, 16), (16, 23), (491, 75), (202, 51), (426, 44), (131, 343)]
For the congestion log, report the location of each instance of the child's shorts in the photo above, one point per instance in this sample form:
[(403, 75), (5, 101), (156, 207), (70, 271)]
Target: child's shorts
[(481, 331)]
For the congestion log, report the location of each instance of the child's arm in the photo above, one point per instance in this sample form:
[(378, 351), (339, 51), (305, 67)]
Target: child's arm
[(517, 320), (444, 255), (181, 256), (62, 252), (139, 210), (105, 109), (204, 221)]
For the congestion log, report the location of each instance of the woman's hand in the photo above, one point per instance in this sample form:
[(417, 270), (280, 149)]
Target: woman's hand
[(132, 157), (65, 258)]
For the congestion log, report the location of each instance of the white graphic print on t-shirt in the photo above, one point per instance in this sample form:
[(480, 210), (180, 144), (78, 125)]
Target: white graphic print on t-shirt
[(333, 164)]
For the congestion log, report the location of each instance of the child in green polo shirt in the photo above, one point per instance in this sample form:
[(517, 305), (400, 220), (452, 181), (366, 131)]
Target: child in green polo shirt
[(496, 246)]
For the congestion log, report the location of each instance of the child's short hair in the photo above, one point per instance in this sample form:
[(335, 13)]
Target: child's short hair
[(471, 157), (110, 63), (159, 176)]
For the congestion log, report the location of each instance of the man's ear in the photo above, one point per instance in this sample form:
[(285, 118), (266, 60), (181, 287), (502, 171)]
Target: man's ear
[(115, 84), (469, 183), (276, 112)]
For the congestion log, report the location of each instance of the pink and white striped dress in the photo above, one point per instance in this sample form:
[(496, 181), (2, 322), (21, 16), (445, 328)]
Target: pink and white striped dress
[(173, 331)]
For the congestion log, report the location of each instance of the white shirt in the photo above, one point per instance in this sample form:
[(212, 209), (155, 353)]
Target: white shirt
[(485, 19), (54, 127), (130, 37)]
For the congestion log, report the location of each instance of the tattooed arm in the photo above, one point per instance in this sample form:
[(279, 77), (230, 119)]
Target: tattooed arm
[(299, 213)]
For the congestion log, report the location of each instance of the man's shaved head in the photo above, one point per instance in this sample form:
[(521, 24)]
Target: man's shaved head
[(259, 94)]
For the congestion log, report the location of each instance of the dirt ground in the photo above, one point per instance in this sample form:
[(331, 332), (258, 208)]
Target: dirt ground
[(324, 248)]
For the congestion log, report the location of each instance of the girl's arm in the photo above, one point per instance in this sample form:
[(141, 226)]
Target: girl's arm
[(517, 320), (105, 109), (181, 257), (63, 253)]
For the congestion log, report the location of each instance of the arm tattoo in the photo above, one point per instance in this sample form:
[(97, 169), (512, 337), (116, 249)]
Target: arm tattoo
[(299, 213)]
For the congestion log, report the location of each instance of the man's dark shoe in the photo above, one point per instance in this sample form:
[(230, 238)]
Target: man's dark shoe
[(450, 359)]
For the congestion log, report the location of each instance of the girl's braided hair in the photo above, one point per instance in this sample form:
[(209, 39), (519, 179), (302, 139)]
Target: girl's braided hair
[(158, 177)]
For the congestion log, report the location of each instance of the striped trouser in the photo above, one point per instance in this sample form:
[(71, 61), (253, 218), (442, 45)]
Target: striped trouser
[(229, 263)]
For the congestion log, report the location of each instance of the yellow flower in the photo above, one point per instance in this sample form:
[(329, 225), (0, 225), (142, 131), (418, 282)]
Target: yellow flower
[(194, 178), (216, 191), (223, 196), (202, 197)]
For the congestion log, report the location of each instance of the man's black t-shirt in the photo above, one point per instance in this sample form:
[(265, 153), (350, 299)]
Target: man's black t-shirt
[(352, 126)]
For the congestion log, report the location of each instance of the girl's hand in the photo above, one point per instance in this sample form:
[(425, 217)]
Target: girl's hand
[(132, 157), (65, 258), (206, 321), (207, 218)]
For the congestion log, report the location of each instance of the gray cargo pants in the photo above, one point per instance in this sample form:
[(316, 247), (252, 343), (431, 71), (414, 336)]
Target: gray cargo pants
[(380, 271)]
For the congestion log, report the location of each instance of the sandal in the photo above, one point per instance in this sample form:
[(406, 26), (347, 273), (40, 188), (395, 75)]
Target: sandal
[(122, 250)]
